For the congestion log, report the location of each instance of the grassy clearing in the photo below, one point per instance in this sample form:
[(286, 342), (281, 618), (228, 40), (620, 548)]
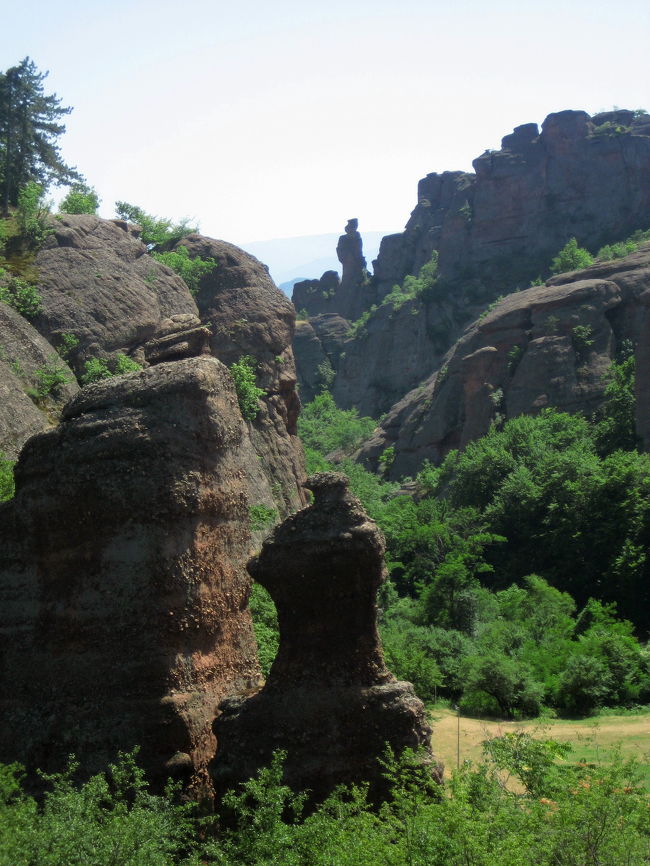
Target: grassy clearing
[(593, 739)]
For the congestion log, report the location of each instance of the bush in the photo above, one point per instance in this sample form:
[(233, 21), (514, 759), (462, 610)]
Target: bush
[(96, 369), (571, 258), (6, 478), (22, 296), (265, 624), (190, 269), (49, 379), (156, 231), (81, 198), (31, 215), (248, 394)]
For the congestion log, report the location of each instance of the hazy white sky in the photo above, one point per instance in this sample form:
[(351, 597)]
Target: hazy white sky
[(284, 118)]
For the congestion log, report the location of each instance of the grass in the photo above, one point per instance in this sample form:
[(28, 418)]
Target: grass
[(592, 739)]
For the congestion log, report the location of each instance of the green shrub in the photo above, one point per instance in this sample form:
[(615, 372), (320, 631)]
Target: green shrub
[(248, 394), (67, 344), (49, 379), (6, 478), (261, 517), (190, 269), (96, 369), (156, 231), (81, 198), (265, 624), (31, 215), (571, 258), (23, 296), (582, 337)]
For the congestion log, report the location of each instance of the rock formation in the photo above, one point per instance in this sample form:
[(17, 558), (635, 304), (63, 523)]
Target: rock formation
[(122, 579), (248, 315), (494, 230), (25, 356), (98, 283), (580, 176), (550, 345), (348, 296), (329, 701)]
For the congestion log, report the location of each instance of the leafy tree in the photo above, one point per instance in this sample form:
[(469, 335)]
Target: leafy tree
[(571, 258), (326, 428), (29, 129), (80, 199), (616, 419), (96, 369), (158, 232)]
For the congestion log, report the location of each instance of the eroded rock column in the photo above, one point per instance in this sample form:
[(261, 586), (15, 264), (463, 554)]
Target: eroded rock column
[(329, 701)]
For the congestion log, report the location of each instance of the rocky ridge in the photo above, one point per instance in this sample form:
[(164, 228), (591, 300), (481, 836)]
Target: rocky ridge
[(550, 345), (494, 230)]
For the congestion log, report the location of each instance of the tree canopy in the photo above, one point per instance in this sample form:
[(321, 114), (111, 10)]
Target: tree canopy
[(30, 126)]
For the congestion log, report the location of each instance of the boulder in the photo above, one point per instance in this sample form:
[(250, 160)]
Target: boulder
[(329, 701)]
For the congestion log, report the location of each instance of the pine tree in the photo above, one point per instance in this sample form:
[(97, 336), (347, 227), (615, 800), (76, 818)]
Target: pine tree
[(29, 128)]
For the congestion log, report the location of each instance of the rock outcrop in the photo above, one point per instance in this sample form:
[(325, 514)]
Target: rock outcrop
[(580, 176), (99, 284), (97, 281), (347, 296), (550, 345), (122, 578), (26, 360), (248, 315), (329, 700), (494, 230)]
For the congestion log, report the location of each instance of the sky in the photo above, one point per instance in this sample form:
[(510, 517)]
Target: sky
[(264, 120)]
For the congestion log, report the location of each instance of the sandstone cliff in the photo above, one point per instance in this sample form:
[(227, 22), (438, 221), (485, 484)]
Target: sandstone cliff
[(122, 579), (98, 283), (550, 345), (494, 230)]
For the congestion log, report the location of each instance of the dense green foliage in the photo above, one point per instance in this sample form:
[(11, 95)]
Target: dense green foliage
[(623, 248), (49, 379), (29, 129), (265, 623), (6, 477), (158, 232), (526, 803), (81, 198), (495, 565), (571, 258), (22, 295), (248, 394), (190, 269), (96, 369)]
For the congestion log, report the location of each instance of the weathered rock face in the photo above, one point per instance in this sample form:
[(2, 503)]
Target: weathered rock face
[(581, 176), (23, 352), (329, 701), (248, 315), (494, 230), (98, 282), (550, 345), (122, 579)]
